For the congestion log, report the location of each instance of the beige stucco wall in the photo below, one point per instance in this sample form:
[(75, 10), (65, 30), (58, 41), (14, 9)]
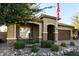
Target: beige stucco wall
[(11, 31), (35, 32), (40, 28), (48, 22), (36, 29), (64, 28), (11, 34)]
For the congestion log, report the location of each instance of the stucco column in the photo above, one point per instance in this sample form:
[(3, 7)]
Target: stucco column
[(71, 35), (56, 34), (45, 32), (11, 33), (56, 30), (40, 32)]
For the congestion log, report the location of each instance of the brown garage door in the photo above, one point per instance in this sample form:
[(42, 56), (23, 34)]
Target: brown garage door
[(64, 34)]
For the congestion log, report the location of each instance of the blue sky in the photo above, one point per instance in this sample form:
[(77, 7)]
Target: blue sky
[(67, 11)]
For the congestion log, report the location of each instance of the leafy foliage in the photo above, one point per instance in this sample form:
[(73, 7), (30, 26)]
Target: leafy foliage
[(76, 21), (19, 45), (72, 53), (46, 44), (18, 13), (34, 48), (72, 44), (55, 47), (63, 44), (31, 41)]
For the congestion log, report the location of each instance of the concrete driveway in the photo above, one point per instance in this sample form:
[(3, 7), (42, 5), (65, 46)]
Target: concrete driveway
[(68, 41)]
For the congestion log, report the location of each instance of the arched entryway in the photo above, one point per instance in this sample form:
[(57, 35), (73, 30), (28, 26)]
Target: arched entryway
[(29, 31), (51, 30)]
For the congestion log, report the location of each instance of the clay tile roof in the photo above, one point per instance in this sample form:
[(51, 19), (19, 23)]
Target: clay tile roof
[(48, 16), (37, 19), (61, 24)]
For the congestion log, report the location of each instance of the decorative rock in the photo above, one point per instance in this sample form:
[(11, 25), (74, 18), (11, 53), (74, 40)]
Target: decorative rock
[(58, 53), (15, 52), (26, 55), (33, 54), (51, 54), (1, 54), (65, 51), (10, 51), (68, 50), (48, 54), (44, 54), (61, 52), (20, 50)]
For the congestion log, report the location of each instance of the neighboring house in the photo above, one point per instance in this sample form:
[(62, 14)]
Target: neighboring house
[(3, 36), (41, 29)]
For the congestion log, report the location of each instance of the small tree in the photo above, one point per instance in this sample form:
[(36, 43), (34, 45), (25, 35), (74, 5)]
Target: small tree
[(76, 21), (15, 13), (76, 25), (11, 13)]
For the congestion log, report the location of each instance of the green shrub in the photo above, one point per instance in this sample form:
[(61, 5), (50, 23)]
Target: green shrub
[(34, 48), (72, 44), (72, 53), (55, 47), (46, 44), (31, 41), (63, 44), (19, 45)]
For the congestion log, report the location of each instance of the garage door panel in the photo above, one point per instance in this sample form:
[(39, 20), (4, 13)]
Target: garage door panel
[(63, 34)]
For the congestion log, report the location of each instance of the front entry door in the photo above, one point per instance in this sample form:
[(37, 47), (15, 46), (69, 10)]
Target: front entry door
[(50, 30)]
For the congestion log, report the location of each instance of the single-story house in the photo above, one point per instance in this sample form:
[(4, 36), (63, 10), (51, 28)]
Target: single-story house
[(41, 29)]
